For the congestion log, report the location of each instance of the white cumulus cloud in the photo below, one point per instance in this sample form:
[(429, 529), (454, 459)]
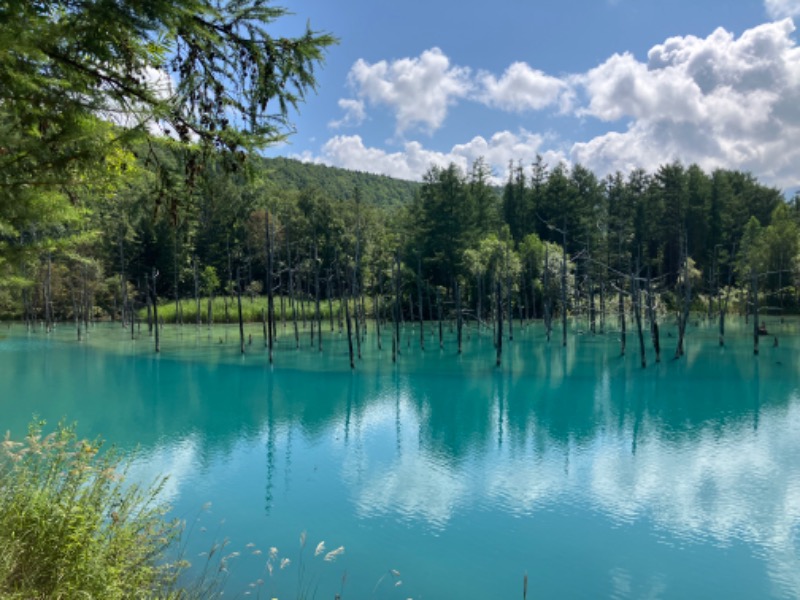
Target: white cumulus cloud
[(719, 101), (350, 152), (779, 9), (354, 114), (414, 159), (520, 88), (418, 90)]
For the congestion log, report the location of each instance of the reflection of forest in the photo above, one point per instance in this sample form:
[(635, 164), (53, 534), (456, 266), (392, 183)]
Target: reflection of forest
[(704, 446), (548, 395)]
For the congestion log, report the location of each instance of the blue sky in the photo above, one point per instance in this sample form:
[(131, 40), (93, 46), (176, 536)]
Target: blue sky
[(610, 84)]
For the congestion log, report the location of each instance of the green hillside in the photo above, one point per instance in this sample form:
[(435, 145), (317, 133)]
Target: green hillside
[(290, 174)]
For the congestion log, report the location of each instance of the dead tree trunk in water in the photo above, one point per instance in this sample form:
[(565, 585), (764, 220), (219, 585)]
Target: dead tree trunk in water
[(196, 290), (547, 305), (48, 294), (459, 315), (564, 290), (592, 314), (508, 293), (421, 312), (317, 313), (723, 304), (651, 311), (346, 301), (293, 305), (622, 331), (155, 310), (269, 233), (376, 309), (480, 300), (123, 282), (439, 315), (683, 317), (178, 313), (499, 305), (149, 303), (397, 307), (754, 294), (76, 312), (239, 308), (354, 287), (637, 314)]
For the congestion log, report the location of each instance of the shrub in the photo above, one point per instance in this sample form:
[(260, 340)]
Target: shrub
[(71, 527)]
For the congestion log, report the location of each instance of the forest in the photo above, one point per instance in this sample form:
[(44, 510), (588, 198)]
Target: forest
[(553, 242), (119, 199)]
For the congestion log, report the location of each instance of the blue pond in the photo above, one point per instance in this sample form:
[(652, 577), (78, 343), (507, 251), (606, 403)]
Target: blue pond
[(444, 476)]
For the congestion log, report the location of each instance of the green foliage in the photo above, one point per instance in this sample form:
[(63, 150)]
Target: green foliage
[(253, 307), (286, 174), (82, 82), (752, 256), (70, 527)]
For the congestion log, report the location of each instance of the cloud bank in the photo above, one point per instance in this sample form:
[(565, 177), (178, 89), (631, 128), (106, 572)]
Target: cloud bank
[(719, 101)]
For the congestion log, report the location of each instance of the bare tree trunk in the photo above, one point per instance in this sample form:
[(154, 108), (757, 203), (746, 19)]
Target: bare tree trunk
[(602, 307), (75, 312), (376, 309), (329, 292), (354, 284), (546, 299), (293, 302), (622, 334), (85, 300), (479, 282), (637, 313), (419, 296), (651, 310), (683, 318), (239, 308), (564, 291), (123, 283), (317, 312), (149, 305), (439, 315), (723, 303), (48, 294), (349, 330), (592, 313), (508, 294), (270, 322), (155, 311), (754, 293), (133, 315), (178, 315), (196, 290), (397, 298), (459, 315), (499, 305)]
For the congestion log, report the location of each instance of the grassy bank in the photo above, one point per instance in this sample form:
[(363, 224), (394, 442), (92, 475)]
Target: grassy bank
[(225, 310)]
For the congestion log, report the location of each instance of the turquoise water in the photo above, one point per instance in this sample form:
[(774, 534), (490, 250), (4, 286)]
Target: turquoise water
[(595, 477)]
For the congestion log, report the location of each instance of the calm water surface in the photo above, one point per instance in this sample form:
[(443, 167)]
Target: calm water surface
[(596, 478)]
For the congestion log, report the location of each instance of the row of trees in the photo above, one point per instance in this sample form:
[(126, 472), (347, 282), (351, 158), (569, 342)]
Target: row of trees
[(550, 243), (128, 173)]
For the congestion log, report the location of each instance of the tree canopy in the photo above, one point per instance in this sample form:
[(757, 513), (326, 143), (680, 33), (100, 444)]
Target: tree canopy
[(85, 84)]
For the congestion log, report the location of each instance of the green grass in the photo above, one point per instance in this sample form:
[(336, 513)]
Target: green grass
[(252, 310)]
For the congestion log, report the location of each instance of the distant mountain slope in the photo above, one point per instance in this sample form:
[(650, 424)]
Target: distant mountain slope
[(339, 183)]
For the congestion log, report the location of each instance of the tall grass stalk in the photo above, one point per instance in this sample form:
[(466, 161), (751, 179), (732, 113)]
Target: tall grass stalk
[(70, 527)]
